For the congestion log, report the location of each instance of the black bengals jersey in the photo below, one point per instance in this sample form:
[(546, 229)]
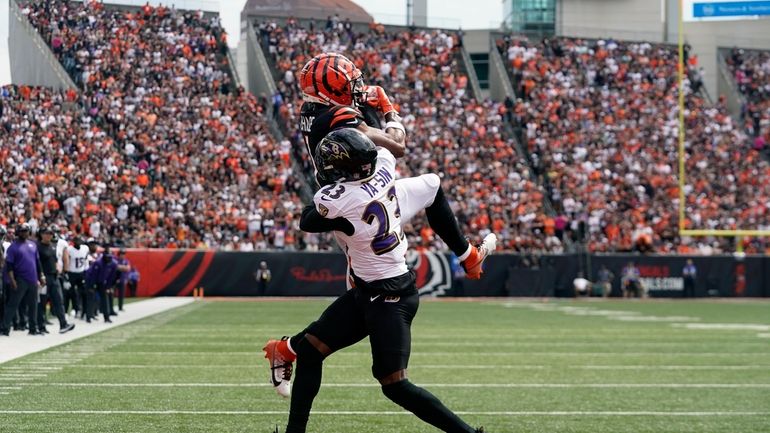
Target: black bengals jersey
[(317, 120)]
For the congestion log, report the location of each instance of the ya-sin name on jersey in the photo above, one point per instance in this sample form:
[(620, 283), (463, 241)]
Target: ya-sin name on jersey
[(377, 247)]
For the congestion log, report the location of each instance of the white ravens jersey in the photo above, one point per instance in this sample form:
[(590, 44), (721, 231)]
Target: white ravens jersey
[(78, 259), (61, 246), (377, 248)]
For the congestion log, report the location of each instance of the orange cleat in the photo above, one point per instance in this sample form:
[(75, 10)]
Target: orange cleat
[(280, 359), (472, 263)]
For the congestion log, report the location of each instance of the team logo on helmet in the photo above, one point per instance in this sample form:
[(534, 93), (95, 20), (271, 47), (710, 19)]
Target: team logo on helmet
[(336, 152)]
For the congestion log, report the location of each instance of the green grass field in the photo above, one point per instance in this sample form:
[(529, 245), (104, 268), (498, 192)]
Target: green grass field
[(510, 366)]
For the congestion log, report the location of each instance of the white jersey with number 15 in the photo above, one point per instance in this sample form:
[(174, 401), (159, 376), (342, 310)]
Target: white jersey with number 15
[(78, 261)]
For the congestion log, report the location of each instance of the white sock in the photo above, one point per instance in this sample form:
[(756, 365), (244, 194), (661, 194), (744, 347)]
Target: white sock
[(288, 344), (466, 253)]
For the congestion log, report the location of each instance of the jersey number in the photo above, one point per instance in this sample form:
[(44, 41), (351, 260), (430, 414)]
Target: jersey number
[(385, 240), (333, 191), (79, 262)]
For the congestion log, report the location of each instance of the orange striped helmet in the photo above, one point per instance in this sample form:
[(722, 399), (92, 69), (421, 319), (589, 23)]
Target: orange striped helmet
[(331, 78)]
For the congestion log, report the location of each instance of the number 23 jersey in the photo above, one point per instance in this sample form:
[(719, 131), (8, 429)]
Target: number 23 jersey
[(377, 248)]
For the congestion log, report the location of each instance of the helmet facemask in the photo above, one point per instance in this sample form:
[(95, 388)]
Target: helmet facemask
[(358, 92)]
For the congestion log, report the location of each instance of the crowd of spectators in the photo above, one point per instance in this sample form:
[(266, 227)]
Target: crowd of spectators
[(600, 119), (449, 132), (158, 148), (176, 155), (751, 70)]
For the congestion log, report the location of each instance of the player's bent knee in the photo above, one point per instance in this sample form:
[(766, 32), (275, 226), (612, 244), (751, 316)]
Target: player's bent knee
[(393, 377), (400, 392), (319, 345)]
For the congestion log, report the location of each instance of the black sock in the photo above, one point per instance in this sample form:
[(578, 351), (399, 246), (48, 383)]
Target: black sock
[(442, 220), (426, 406), (307, 382)]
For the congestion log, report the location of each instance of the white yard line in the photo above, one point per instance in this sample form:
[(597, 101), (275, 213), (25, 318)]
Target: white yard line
[(427, 385), (209, 366), (194, 354), (19, 344), (371, 412)]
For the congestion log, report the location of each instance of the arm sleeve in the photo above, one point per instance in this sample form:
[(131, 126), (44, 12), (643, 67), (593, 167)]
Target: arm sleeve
[(312, 222), (39, 264)]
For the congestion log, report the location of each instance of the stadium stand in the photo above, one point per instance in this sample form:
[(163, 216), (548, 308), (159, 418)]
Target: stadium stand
[(192, 163), (450, 132), (170, 153), (601, 121), (751, 70)]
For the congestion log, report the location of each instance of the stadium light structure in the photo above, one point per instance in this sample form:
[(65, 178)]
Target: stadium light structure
[(684, 231)]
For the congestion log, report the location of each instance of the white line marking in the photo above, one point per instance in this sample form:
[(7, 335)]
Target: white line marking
[(676, 344), (371, 412), (427, 385), (21, 375), (30, 368), (763, 335), (10, 387), (442, 366), (724, 326), (444, 353), (19, 345)]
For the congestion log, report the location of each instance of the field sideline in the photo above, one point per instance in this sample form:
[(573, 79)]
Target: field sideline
[(510, 365)]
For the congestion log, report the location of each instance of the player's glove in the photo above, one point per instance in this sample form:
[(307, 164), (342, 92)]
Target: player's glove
[(377, 98)]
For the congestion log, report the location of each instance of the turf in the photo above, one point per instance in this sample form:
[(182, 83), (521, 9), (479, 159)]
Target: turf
[(510, 366)]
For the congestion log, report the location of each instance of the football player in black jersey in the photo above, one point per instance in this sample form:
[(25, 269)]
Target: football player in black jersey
[(336, 97)]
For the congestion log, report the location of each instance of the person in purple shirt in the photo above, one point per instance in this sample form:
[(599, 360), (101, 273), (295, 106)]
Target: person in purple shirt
[(24, 272), (101, 276), (124, 266)]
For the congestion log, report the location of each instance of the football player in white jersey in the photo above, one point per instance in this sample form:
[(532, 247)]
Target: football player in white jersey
[(335, 96), (358, 200), (69, 296), (77, 264)]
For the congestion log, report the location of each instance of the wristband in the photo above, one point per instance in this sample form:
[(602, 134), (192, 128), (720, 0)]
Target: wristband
[(396, 125)]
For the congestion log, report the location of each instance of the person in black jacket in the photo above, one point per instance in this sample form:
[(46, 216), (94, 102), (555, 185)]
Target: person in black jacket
[(48, 262)]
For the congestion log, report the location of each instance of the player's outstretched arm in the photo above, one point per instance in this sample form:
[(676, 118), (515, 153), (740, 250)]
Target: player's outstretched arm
[(384, 140), (312, 222)]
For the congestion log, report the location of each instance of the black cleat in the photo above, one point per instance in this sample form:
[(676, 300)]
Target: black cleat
[(481, 430), (67, 328)]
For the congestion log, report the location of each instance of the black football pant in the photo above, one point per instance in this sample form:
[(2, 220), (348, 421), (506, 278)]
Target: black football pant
[(23, 298), (103, 302), (121, 292), (71, 296), (57, 306), (387, 320)]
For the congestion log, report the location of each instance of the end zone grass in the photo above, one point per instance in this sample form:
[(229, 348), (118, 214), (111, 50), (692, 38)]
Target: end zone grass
[(510, 366)]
